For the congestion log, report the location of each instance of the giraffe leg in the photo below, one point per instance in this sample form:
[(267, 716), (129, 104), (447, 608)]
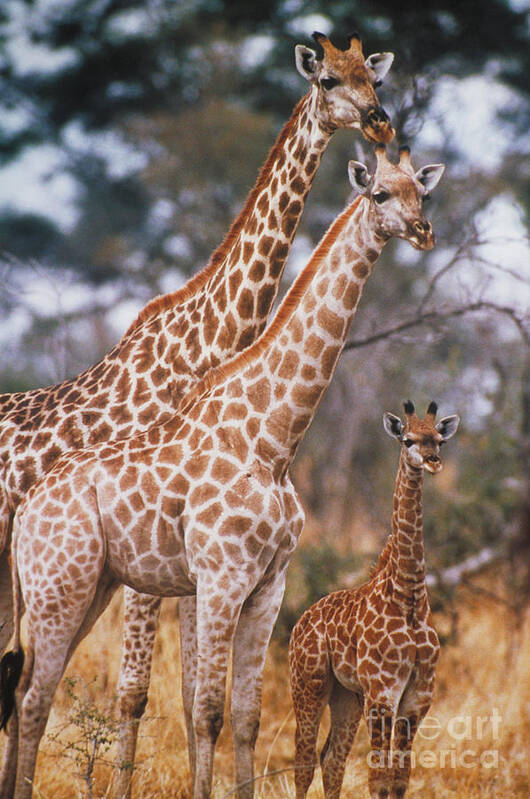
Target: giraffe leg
[(53, 637), (9, 761), (346, 711), (413, 707), (379, 717), (311, 685), (34, 701), (405, 729), (188, 652), (63, 596), (9, 764), (140, 621), (216, 623), (6, 590), (308, 710), (251, 642)]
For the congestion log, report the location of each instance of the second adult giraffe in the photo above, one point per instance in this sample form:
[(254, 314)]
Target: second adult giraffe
[(179, 336), (203, 504)]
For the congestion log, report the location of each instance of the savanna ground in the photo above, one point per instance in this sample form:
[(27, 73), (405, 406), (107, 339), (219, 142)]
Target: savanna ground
[(475, 744)]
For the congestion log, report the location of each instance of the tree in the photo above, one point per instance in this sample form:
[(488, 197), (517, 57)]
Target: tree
[(160, 114), (86, 78)]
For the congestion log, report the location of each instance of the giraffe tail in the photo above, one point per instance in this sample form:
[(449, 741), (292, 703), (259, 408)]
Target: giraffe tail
[(12, 662), (10, 671)]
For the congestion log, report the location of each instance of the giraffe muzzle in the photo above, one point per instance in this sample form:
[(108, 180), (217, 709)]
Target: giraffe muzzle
[(421, 235), (375, 125), (432, 464)]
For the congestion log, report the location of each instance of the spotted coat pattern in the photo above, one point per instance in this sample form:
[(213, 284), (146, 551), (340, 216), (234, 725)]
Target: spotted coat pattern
[(174, 341), (372, 649), (200, 505)]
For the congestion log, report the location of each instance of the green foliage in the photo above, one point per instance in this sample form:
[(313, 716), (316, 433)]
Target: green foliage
[(28, 234), (317, 570), (107, 67), (321, 568)]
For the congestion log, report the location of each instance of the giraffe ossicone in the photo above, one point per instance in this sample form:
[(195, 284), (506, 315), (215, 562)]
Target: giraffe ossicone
[(177, 338), (373, 648), (201, 504)]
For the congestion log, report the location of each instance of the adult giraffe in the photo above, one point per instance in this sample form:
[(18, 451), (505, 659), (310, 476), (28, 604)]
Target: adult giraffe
[(179, 336), (203, 504)]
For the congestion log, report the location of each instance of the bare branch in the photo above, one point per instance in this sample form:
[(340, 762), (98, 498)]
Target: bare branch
[(467, 249), (504, 269), (461, 252), (454, 575), (429, 317)]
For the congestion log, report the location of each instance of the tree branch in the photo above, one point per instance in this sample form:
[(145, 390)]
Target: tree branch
[(427, 317), (455, 575)]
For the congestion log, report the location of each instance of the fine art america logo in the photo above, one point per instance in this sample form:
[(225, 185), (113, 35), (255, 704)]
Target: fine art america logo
[(464, 731)]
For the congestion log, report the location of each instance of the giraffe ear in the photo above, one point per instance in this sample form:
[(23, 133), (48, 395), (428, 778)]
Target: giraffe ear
[(429, 176), (359, 176), (448, 426), (379, 64), (392, 425), (306, 61)]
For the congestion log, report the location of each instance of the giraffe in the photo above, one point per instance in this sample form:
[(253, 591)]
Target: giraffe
[(202, 504), (179, 336), (373, 647)]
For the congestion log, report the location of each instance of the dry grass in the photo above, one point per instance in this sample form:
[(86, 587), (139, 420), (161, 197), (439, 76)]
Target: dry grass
[(463, 755)]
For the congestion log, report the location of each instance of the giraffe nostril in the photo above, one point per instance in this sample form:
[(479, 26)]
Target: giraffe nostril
[(378, 115), (422, 229)]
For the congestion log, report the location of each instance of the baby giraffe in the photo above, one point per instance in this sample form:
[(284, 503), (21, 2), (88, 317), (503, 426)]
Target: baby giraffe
[(374, 647)]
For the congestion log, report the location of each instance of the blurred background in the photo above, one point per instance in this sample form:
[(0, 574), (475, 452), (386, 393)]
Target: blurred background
[(130, 134)]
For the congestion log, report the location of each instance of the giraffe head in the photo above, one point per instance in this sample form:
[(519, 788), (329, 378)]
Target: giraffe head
[(421, 439), (344, 82), (396, 194)]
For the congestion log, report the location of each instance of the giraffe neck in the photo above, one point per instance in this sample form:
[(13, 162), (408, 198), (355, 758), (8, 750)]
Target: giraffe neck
[(284, 178), (179, 336), (255, 266), (297, 355), (406, 562), (225, 307), (229, 302)]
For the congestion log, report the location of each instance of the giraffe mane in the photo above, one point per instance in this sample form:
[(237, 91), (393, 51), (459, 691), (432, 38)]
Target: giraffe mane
[(166, 301), (290, 302), (383, 558)]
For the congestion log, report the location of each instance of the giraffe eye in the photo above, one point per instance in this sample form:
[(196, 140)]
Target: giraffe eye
[(329, 83), (381, 197), (408, 442)]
